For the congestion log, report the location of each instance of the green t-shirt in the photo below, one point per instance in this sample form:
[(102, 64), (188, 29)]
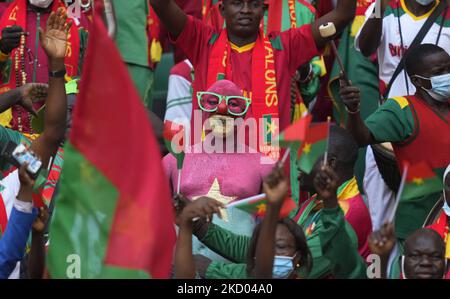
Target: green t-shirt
[(131, 37), (394, 122)]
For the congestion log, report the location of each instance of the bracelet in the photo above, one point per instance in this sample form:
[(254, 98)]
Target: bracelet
[(352, 112), (57, 74), (3, 56)]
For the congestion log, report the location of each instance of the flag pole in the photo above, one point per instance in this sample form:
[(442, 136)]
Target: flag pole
[(246, 200), (286, 155), (179, 181), (50, 163), (325, 158), (399, 193)]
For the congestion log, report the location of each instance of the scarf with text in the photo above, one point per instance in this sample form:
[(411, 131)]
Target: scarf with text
[(264, 93)]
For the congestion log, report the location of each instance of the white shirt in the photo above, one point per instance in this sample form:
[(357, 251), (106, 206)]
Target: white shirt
[(390, 51)]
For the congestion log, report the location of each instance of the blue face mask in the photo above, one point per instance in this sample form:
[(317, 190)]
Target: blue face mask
[(440, 87), (446, 208), (282, 266)]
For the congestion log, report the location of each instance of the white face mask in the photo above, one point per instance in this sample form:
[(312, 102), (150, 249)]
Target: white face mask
[(424, 2), (41, 3)]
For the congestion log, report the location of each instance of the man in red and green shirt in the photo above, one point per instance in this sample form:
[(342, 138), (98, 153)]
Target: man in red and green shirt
[(418, 126), (261, 65)]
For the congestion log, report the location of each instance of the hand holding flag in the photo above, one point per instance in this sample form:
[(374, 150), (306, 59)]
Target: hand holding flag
[(276, 187), (326, 184)]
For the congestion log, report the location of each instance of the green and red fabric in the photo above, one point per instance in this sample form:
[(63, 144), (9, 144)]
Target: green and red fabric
[(418, 134), (48, 188), (295, 134), (314, 146), (421, 181), (441, 226), (362, 71), (258, 207), (281, 16), (171, 133), (114, 217)]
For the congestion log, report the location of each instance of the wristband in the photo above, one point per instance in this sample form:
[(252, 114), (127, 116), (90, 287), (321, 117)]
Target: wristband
[(3, 56), (57, 74), (352, 112)]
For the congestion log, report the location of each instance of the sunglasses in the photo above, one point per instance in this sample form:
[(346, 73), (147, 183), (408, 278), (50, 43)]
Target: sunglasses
[(210, 101)]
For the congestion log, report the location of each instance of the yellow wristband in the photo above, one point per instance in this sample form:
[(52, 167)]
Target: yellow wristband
[(3, 56)]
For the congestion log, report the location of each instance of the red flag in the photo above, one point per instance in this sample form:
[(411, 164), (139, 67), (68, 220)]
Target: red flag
[(112, 132)]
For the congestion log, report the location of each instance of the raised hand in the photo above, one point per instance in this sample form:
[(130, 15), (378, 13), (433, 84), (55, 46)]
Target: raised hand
[(326, 185), (203, 207), (31, 93), (54, 38), (10, 38), (350, 95), (276, 186), (382, 242)]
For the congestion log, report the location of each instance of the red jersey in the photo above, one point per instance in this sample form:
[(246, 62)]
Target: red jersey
[(292, 48)]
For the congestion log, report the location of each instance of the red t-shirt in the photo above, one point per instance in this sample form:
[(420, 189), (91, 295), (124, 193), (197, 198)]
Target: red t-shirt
[(298, 47)]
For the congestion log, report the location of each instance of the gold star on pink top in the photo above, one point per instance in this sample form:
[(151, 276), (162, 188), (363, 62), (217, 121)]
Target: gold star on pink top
[(214, 192)]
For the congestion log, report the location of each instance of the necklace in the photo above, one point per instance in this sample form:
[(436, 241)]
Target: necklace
[(20, 74), (21, 79)]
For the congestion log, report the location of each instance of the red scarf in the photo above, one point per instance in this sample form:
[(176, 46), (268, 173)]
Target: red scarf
[(275, 24), (16, 14), (264, 93)]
